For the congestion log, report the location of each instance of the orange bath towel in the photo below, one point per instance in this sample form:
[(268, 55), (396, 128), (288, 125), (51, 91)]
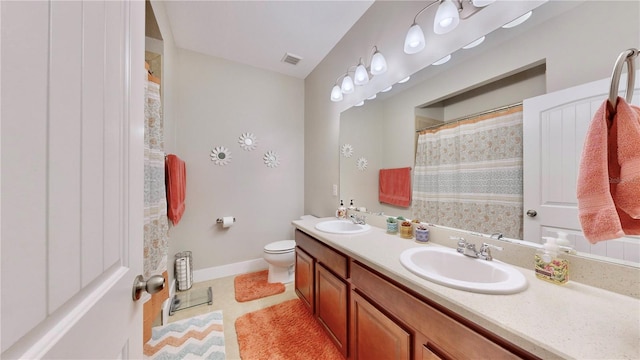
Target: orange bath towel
[(395, 186), (628, 190), (176, 183), (598, 178)]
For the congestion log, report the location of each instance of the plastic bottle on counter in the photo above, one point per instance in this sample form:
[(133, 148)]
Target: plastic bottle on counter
[(341, 213), (548, 266)]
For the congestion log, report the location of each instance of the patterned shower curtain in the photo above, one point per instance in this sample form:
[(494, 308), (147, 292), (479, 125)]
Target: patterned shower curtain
[(156, 224), (468, 175)]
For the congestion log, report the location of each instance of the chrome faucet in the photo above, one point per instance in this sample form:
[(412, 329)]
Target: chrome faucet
[(469, 249), (361, 220)]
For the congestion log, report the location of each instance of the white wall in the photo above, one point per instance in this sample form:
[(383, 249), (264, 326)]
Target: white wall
[(578, 47), (217, 102)]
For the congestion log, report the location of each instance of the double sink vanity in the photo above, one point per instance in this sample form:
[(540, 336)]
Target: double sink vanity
[(379, 296)]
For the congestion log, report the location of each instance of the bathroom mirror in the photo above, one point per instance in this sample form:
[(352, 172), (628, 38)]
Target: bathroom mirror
[(384, 130)]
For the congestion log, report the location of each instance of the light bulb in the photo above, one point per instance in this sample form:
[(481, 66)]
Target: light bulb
[(336, 94), (361, 76), (360, 103), (443, 60), (404, 80), (447, 18), (387, 89), (372, 97), (378, 64), (517, 21), (347, 85), (481, 3), (414, 41), (474, 43)]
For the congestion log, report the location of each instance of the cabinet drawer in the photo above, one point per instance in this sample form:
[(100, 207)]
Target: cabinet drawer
[(447, 333), (323, 254)]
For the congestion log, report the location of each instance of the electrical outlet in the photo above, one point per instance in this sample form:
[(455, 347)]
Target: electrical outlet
[(335, 190)]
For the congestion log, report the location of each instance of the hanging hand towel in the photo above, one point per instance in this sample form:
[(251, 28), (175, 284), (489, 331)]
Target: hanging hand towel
[(628, 190), (597, 182), (176, 183), (395, 186)]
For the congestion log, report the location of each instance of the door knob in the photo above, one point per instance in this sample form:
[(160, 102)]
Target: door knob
[(152, 285), (532, 213)]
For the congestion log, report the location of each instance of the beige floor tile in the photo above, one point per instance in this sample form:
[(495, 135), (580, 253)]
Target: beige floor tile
[(224, 299)]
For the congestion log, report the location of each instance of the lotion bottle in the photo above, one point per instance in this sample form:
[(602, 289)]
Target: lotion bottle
[(341, 213), (351, 206), (548, 266)]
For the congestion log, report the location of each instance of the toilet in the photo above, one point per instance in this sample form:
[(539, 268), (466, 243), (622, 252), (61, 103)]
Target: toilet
[(281, 256)]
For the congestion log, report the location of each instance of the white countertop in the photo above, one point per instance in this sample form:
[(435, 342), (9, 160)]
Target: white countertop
[(548, 320)]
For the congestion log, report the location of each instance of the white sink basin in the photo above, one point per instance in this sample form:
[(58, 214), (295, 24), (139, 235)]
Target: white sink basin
[(449, 268), (342, 227)]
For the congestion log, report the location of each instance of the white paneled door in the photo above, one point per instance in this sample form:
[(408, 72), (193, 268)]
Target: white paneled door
[(555, 126), (71, 126)]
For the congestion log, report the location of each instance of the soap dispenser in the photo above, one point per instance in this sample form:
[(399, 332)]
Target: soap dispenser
[(351, 206), (341, 213), (562, 239), (548, 266)]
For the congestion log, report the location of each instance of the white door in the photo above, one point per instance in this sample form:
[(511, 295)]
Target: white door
[(71, 123), (555, 126)]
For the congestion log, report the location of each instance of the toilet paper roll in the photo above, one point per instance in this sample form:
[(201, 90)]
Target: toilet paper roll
[(227, 221)]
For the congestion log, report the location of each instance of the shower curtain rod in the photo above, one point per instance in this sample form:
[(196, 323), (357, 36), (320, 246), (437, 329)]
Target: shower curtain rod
[(471, 116)]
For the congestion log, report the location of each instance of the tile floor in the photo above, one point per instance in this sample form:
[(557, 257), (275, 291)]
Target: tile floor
[(224, 299)]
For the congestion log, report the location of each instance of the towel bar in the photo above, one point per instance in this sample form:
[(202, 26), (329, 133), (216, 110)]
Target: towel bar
[(628, 56)]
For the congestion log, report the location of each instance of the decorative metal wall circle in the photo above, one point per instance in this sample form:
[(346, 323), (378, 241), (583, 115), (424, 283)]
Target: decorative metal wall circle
[(271, 159), (248, 141), (346, 150), (362, 164), (221, 155)]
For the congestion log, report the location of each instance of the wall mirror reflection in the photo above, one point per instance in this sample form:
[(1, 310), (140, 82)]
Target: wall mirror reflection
[(529, 170)]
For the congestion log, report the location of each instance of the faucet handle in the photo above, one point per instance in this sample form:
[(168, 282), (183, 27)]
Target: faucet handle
[(462, 243), (490, 246)]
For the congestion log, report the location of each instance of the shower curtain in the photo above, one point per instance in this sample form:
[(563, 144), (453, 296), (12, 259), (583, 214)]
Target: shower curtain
[(156, 224), (468, 175)]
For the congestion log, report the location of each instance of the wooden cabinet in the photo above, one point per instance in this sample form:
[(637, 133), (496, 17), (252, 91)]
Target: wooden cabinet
[(331, 306), (374, 335), (322, 285), (369, 316), (440, 334), (304, 283)]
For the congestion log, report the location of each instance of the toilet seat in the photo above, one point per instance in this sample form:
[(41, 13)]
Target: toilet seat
[(280, 247)]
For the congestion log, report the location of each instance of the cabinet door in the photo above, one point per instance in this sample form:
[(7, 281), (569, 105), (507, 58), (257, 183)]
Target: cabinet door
[(304, 278), (331, 306), (374, 335)]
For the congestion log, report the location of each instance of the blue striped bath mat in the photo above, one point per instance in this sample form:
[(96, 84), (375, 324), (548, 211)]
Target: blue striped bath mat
[(199, 337)]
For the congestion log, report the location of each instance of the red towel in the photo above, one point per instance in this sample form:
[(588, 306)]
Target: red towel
[(395, 186), (176, 183), (628, 189), (598, 179)]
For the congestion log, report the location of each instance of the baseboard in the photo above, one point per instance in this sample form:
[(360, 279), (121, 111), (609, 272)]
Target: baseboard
[(217, 272)]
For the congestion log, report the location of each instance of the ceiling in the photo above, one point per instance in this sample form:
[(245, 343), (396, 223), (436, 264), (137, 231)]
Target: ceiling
[(260, 33)]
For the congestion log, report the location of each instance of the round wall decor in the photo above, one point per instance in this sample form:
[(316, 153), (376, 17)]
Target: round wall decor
[(362, 164), (346, 150), (221, 155), (248, 141), (271, 159)]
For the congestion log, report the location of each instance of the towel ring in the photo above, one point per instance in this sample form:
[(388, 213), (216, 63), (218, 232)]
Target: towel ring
[(628, 57)]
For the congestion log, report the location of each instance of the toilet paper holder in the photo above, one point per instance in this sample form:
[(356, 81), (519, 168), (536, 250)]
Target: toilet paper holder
[(219, 220)]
